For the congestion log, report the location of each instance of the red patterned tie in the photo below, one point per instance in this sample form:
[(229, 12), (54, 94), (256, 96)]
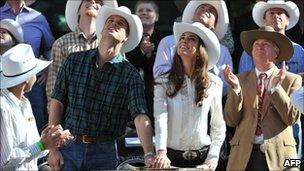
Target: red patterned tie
[(260, 93)]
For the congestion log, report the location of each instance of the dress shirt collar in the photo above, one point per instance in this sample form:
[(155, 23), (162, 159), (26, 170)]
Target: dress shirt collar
[(268, 72), (80, 33), (7, 7)]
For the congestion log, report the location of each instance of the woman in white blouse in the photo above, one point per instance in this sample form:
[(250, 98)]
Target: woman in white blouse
[(183, 98)]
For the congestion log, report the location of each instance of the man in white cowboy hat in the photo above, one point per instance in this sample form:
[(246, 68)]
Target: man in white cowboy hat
[(10, 34), (214, 15), (281, 16), (20, 143), (258, 104), (95, 93), (38, 34), (81, 18)]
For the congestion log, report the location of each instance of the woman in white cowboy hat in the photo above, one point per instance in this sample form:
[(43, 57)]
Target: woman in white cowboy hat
[(95, 93), (20, 143), (10, 34), (214, 15), (183, 98)]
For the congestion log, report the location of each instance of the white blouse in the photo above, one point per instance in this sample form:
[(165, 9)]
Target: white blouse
[(18, 134), (181, 125)]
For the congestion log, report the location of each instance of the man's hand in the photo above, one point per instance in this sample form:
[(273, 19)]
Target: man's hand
[(54, 136), (149, 161), (277, 80), (231, 79), (161, 160), (55, 159)]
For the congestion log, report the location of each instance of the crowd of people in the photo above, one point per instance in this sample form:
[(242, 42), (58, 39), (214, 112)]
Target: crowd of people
[(69, 100)]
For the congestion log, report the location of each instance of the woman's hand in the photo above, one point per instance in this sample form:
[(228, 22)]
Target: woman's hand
[(207, 165)]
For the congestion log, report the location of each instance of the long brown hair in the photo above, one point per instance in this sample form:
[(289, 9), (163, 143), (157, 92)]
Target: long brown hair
[(199, 75)]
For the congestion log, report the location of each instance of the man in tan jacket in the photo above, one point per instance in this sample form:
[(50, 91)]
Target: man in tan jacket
[(258, 104)]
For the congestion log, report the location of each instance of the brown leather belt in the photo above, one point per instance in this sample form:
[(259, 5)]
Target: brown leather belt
[(93, 139)]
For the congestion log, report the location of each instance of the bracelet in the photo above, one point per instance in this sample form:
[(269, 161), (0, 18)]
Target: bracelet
[(150, 153), (40, 145)]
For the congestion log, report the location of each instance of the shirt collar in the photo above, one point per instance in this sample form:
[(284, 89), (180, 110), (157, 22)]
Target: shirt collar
[(7, 7), (80, 33), (11, 97), (114, 61), (268, 72)]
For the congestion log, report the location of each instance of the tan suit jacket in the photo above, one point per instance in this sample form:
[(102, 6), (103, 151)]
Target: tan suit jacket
[(278, 116)]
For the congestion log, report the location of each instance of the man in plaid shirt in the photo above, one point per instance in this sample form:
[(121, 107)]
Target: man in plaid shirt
[(95, 93)]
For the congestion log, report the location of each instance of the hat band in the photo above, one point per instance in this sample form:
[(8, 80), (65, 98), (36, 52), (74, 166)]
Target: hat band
[(20, 73)]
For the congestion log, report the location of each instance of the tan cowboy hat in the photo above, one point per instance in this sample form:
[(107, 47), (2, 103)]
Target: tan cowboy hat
[(19, 65), (71, 10), (267, 32), (210, 40), (135, 25), (290, 7), (14, 28), (222, 12)]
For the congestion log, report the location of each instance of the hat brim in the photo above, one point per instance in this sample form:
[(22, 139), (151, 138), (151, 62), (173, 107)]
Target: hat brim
[(283, 42), (71, 10), (261, 7), (7, 82), (14, 28), (210, 40), (135, 26), (221, 8)]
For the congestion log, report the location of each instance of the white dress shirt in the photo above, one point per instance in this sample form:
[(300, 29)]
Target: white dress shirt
[(181, 125), (18, 134)]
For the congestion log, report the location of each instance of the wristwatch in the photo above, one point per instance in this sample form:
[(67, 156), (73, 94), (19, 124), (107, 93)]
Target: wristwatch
[(150, 153)]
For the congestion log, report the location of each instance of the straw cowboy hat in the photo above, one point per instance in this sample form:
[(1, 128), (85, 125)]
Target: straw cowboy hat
[(210, 40), (135, 25), (268, 33), (71, 10), (14, 28), (261, 7), (19, 65), (221, 8)]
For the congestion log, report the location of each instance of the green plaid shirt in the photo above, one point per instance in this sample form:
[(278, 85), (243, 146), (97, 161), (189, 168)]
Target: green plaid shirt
[(98, 100)]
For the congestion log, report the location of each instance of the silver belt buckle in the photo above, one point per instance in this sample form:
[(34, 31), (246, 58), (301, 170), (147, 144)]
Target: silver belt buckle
[(189, 155), (263, 148)]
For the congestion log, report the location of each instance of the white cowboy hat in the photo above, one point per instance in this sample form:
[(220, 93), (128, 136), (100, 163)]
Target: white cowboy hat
[(261, 7), (210, 40), (19, 65), (221, 8), (267, 32), (135, 25), (29, 2), (14, 28), (71, 10)]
